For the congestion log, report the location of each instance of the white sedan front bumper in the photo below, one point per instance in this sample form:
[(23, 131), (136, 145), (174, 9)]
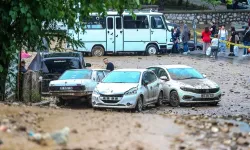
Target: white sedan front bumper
[(189, 97), (114, 101)]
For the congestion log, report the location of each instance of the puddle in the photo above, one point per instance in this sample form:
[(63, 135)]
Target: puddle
[(238, 126)]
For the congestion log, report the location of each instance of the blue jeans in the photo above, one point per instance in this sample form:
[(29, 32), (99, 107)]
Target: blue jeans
[(245, 49), (222, 45), (185, 47)]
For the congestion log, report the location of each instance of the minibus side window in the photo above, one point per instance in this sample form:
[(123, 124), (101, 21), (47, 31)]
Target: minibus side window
[(141, 22), (156, 22)]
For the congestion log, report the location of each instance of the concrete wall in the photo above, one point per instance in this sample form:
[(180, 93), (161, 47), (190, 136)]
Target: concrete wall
[(31, 87), (204, 17)]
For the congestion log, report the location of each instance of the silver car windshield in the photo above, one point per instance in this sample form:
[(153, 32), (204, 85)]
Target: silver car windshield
[(123, 77), (184, 73), (76, 74)]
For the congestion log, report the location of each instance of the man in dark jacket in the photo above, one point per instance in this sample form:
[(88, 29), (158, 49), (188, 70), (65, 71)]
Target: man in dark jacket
[(22, 68), (246, 40), (110, 65)]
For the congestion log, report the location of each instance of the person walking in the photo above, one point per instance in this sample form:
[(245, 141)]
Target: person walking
[(246, 41), (185, 38), (110, 65), (222, 35), (206, 39), (214, 46), (232, 39)]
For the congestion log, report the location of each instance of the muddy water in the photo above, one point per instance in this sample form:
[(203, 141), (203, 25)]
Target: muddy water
[(94, 129)]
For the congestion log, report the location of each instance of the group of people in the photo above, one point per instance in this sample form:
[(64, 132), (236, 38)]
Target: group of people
[(233, 4), (218, 43), (185, 37)]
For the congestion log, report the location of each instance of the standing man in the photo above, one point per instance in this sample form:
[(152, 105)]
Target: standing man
[(246, 41), (213, 29), (22, 68), (185, 38), (110, 65)]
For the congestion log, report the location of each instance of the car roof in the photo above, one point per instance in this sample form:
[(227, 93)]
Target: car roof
[(171, 66), (140, 70)]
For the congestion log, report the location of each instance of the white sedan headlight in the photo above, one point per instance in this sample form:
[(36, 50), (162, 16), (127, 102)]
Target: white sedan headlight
[(96, 92), (131, 91)]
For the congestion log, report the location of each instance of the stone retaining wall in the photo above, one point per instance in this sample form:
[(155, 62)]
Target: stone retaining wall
[(205, 17)]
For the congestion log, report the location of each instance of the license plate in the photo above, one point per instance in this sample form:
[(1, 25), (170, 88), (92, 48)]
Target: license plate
[(207, 95), (66, 88)]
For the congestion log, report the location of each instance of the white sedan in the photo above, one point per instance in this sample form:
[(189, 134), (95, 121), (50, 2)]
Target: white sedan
[(184, 85), (128, 89), (76, 84)]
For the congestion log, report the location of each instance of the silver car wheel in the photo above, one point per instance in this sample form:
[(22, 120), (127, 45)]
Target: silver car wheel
[(139, 105), (174, 99)]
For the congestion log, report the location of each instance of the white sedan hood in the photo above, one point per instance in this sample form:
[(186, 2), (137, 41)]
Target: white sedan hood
[(115, 88), (198, 83)]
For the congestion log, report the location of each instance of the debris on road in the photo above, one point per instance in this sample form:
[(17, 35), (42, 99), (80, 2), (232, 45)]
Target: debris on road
[(43, 103), (60, 137)]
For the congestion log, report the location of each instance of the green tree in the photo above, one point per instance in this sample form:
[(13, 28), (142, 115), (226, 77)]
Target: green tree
[(23, 23), (214, 3)]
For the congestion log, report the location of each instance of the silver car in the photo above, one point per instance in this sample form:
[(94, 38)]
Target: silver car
[(128, 89), (183, 84), (76, 84)]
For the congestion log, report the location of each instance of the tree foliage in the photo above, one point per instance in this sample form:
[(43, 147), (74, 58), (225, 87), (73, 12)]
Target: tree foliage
[(214, 3), (23, 23)]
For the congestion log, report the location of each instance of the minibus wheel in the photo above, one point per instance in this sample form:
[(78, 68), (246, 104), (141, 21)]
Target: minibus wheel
[(97, 51), (151, 49)]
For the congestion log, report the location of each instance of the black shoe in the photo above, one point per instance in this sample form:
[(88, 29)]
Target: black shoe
[(233, 55)]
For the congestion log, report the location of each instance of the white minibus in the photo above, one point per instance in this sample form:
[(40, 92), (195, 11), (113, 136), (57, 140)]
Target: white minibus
[(145, 34)]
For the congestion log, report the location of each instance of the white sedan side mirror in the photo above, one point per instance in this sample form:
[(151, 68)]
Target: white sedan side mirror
[(165, 78)]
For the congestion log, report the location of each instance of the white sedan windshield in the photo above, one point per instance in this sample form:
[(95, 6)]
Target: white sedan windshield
[(184, 73), (123, 77)]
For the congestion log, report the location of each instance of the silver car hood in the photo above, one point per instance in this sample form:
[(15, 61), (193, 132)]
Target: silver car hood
[(115, 88), (197, 83)]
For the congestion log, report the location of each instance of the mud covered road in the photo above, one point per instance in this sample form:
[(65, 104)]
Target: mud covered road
[(194, 127)]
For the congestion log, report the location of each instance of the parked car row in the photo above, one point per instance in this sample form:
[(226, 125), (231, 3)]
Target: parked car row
[(136, 88)]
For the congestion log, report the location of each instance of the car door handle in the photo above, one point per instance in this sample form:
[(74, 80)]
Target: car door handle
[(120, 31), (116, 35), (111, 34)]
